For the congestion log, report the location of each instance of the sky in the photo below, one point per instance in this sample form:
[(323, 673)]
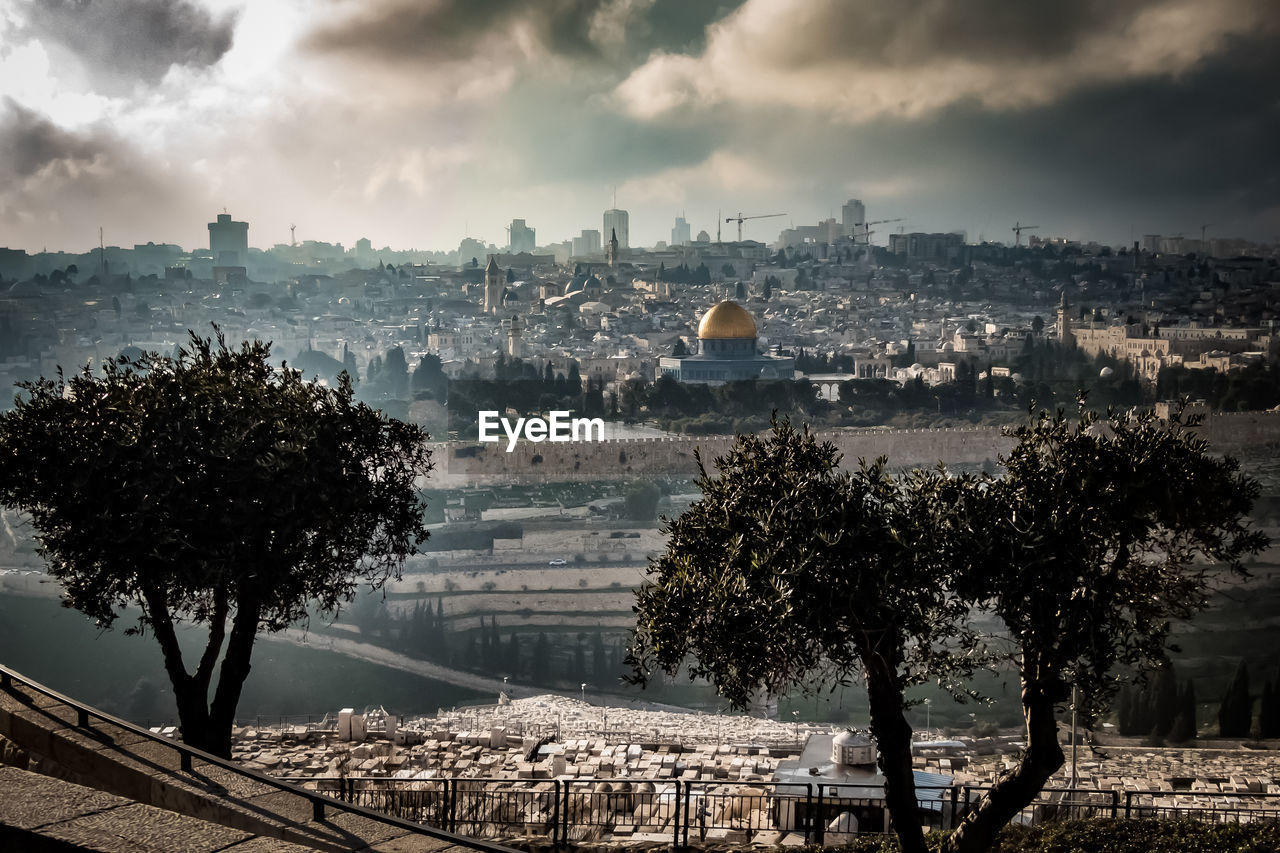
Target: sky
[(415, 123)]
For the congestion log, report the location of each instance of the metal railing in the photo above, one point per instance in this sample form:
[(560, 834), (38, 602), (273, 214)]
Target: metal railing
[(678, 812), (685, 813), (188, 755)]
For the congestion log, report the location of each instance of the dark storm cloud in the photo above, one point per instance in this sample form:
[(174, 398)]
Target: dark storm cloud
[(393, 31), (61, 185), (33, 144), (126, 40), (565, 135), (43, 161), (909, 31), (1206, 139)]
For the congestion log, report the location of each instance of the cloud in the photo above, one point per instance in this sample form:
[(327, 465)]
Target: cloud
[(393, 33), (62, 182), (125, 41), (436, 31), (857, 60)]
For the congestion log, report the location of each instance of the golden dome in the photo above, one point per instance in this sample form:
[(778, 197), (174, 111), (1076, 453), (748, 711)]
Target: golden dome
[(726, 320)]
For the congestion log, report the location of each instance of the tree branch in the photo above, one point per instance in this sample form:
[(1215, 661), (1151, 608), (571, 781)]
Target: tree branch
[(217, 630), (162, 624)]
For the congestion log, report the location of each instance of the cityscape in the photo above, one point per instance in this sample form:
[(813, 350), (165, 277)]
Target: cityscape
[(551, 400)]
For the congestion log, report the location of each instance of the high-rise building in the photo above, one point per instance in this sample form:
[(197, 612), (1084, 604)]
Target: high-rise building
[(680, 234), (522, 237), (470, 249), (852, 215), (587, 244), (615, 221), (229, 242)]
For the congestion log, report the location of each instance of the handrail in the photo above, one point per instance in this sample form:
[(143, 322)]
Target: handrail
[(319, 802)]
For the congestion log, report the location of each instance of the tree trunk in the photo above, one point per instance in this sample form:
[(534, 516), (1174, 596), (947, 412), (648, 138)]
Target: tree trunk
[(1016, 790), (189, 693), (893, 739), (235, 669)]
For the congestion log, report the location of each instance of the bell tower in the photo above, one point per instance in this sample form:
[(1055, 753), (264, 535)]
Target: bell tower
[(493, 286)]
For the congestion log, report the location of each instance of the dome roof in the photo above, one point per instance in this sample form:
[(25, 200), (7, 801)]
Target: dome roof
[(726, 320)]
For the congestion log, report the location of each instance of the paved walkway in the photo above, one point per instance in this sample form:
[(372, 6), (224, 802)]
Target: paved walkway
[(128, 786)]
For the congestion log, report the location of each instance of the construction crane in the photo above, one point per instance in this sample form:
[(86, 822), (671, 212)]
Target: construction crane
[(1204, 249), (740, 219), (1018, 228), (866, 226)]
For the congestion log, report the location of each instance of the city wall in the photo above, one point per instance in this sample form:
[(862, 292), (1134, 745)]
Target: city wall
[(544, 462)]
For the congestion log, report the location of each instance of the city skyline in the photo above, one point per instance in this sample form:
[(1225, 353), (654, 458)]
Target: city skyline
[(417, 125)]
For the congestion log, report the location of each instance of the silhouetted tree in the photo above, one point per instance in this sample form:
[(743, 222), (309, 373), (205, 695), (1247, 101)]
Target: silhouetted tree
[(788, 567), (1235, 713), (214, 489), (1269, 712), (1091, 550), (1184, 723)]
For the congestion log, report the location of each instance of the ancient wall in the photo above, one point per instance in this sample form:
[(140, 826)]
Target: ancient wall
[(490, 464), (529, 462)]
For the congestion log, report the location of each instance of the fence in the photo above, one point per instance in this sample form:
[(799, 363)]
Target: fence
[(690, 812)]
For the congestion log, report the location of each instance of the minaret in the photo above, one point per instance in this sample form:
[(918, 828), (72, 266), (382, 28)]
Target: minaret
[(612, 257), (493, 286), (513, 328), (1065, 338)]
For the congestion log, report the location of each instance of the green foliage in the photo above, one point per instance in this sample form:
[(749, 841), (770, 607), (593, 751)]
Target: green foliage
[(1104, 835), (790, 573), (642, 500), (210, 487), (1102, 532), (1175, 835), (787, 568)]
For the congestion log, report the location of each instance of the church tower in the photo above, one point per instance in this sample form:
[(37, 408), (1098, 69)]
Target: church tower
[(611, 256), (494, 284)]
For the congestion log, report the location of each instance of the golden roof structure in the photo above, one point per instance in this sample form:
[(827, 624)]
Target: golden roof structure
[(726, 320)]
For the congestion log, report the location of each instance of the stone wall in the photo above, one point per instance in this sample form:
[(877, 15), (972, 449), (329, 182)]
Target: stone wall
[(490, 464), (529, 462)]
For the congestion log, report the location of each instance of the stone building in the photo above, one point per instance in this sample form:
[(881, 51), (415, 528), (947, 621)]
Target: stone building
[(727, 352)]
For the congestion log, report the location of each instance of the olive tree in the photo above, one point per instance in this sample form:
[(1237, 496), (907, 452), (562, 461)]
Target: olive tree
[(215, 489), (790, 573), (1100, 533)]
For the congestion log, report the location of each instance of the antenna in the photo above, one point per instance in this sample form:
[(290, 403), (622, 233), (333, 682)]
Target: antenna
[(718, 218), (615, 196)]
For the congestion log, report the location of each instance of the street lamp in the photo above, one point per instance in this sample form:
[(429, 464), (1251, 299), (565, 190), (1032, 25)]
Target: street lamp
[(927, 710), (583, 686)]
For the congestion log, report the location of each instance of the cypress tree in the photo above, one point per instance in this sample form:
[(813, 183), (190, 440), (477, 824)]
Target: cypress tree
[(1164, 706), (1235, 713), (541, 668), (599, 663), (1124, 711), (1269, 713), (1184, 723)]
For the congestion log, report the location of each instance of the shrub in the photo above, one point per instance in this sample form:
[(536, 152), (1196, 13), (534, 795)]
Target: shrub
[(1104, 835)]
